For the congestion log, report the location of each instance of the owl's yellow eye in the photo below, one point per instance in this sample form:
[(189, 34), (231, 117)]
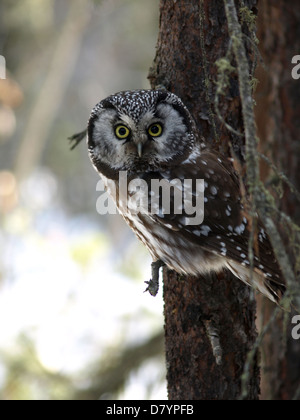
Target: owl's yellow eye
[(155, 130), (122, 132)]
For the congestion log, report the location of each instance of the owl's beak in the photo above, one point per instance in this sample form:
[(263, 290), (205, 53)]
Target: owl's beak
[(140, 149)]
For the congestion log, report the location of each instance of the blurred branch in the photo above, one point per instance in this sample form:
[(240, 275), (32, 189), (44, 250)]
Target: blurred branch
[(52, 92), (27, 378), (107, 380), (109, 376)]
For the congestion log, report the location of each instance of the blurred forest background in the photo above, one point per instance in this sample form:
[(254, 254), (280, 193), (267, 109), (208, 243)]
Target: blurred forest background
[(75, 323)]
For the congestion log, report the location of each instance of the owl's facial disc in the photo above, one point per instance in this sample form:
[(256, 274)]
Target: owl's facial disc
[(139, 132)]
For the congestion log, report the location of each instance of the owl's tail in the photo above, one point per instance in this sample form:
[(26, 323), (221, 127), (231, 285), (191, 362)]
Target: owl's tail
[(260, 281)]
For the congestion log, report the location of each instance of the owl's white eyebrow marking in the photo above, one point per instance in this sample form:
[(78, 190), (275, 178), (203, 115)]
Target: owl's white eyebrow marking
[(127, 120)]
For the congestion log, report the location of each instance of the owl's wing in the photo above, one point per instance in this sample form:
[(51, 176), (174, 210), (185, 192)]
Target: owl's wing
[(225, 230)]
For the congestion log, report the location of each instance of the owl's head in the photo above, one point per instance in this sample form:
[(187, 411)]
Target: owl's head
[(138, 131)]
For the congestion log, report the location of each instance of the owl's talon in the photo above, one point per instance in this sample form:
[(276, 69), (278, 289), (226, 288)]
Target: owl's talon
[(153, 284), (152, 288)]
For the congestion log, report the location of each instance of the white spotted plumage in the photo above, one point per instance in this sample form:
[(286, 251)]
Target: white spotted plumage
[(178, 152)]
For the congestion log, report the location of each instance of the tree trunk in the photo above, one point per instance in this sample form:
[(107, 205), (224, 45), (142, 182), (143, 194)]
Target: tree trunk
[(209, 321), (278, 120)]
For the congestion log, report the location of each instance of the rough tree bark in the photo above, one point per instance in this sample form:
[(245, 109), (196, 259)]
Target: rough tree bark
[(278, 120), (209, 321)]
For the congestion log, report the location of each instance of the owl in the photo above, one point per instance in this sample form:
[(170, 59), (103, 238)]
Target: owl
[(151, 135)]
